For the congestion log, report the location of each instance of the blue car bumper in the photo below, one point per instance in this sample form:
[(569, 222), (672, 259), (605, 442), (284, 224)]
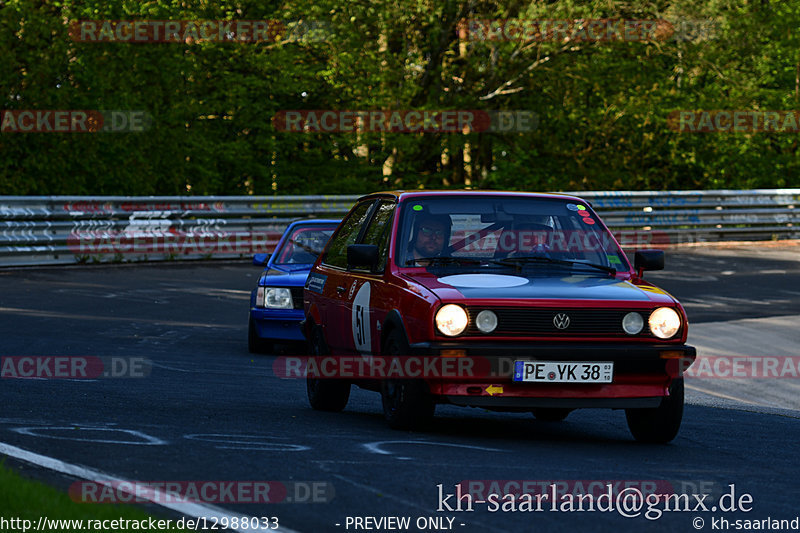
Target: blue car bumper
[(278, 324)]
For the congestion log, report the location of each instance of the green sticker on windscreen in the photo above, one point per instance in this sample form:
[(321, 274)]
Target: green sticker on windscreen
[(417, 208), (614, 259)]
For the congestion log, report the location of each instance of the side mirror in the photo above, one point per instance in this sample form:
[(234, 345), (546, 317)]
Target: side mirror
[(648, 260), (362, 256), (261, 259)]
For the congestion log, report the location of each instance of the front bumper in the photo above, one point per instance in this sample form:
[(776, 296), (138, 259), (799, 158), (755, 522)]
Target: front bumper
[(642, 375), (278, 324)]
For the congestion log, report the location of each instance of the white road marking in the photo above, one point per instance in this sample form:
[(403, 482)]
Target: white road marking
[(76, 430), (207, 370), (193, 510), (376, 447), (247, 442)]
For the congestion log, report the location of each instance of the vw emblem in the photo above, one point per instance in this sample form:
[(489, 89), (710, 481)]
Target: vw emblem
[(561, 321)]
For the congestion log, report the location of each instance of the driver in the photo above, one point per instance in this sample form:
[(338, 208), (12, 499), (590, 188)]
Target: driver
[(431, 234)]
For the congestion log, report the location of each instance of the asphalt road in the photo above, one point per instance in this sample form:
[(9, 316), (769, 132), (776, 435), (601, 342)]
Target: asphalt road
[(209, 410)]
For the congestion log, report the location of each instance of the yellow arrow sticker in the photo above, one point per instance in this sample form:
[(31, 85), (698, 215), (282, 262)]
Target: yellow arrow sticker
[(494, 389)]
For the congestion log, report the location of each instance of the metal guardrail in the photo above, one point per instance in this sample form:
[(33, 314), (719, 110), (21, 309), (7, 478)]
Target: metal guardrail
[(688, 217), (36, 230)]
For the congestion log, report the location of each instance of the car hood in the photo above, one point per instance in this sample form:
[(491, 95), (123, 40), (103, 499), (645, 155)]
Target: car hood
[(519, 286), (285, 276)]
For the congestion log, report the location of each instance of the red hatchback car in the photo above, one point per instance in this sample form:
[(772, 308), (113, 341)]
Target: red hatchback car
[(500, 300)]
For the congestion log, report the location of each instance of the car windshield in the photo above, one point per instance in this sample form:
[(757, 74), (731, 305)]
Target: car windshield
[(490, 232), (304, 244)]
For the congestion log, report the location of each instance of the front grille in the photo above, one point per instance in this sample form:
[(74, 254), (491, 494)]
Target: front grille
[(533, 322), (297, 297)]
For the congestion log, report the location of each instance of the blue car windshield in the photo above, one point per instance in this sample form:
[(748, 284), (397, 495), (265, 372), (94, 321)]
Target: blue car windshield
[(303, 245), (487, 231)]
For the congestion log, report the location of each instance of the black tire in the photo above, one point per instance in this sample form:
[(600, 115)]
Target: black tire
[(551, 414), (407, 403), (325, 394), (659, 424), (256, 344)]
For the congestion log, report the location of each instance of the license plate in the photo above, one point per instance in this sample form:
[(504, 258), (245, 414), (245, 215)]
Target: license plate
[(563, 372)]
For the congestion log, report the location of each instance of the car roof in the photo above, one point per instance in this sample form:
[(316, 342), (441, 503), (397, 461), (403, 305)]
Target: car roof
[(404, 195), (309, 221)]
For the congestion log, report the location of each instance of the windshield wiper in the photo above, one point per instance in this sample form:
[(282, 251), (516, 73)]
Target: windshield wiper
[(429, 261), (519, 261)]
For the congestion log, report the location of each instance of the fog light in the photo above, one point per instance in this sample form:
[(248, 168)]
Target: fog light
[(486, 321), (632, 323)]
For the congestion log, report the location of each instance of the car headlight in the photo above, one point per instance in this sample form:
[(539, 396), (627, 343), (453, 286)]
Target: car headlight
[(632, 323), (486, 321), (451, 320), (277, 298), (664, 322)]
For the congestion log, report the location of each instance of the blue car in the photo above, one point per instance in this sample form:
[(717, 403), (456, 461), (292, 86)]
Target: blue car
[(276, 305)]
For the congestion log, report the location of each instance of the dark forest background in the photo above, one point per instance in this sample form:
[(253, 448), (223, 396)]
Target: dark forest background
[(602, 105)]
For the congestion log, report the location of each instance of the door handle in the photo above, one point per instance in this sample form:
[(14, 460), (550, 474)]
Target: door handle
[(340, 290)]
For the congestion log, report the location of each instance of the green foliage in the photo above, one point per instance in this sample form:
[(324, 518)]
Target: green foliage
[(602, 105), (25, 499)]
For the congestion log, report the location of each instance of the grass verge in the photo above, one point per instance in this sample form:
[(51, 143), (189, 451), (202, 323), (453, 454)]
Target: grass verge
[(23, 502)]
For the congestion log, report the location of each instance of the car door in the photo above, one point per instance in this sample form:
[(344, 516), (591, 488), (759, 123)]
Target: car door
[(364, 295), (333, 266)]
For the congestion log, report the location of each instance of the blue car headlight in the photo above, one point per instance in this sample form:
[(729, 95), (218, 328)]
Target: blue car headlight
[(274, 298)]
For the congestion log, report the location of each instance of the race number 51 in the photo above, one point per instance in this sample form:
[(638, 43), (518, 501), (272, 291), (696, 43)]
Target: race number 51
[(360, 319)]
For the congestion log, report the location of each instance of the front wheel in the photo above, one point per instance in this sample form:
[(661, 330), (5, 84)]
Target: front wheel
[(407, 403), (659, 424), (325, 394)]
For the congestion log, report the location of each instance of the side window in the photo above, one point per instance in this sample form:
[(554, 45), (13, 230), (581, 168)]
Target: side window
[(336, 255), (378, 231)]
